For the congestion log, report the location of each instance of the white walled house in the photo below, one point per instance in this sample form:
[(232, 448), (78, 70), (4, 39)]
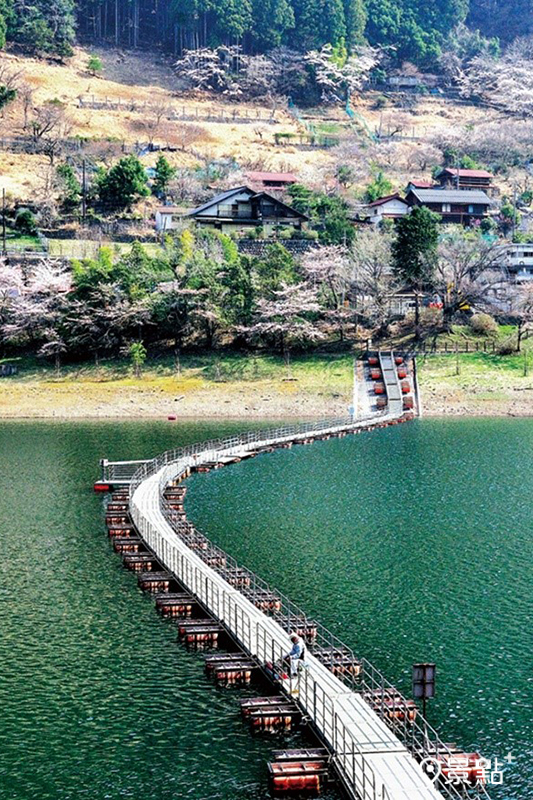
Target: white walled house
[(391, 207), (167, 217), (517, 260), (242, 209)]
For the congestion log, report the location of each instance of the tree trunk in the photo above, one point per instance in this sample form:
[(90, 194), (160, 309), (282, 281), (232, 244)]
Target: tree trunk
[(177, 353), (287, 359), (136, 23), (417, 316)]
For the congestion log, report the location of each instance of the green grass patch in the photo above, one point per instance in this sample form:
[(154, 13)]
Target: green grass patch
[(328, 128), (314, 373), (483, 370), (21, 243), (87, 248)]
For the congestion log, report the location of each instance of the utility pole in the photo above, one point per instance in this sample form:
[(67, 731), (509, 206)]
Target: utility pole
[(4, 245), (514, 212), (355, 409), (83, 192)]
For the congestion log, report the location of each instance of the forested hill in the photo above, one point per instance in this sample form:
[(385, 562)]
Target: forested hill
[(416, 29)]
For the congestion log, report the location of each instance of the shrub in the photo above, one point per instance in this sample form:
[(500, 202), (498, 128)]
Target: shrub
[(25, 222), (380, 186), (484, 325), (94, 65), (381, 101), (137, 354), (430, 318)]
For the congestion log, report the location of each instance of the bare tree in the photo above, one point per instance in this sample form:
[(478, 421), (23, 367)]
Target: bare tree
[(467, 269), (372, 278), (9, 77), (186, 185), (50, 126), (101, 152), (393, 124), (423, 155), (349, 153), (154, 120), (185, 134), (25, 97)]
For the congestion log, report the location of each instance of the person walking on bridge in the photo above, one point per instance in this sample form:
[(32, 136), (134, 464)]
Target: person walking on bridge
[(297, 653)]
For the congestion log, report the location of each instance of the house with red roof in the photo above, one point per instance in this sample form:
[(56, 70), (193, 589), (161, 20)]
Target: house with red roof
[(414, 184), (271, 180), (456, 178)]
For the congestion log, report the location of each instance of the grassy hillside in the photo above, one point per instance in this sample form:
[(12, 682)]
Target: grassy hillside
[(138, 78)]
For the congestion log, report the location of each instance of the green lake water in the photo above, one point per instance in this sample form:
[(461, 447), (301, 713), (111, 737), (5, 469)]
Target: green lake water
[(412, 543)]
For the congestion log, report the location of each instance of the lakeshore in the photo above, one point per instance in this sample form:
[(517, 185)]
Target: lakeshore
[(240, 387)]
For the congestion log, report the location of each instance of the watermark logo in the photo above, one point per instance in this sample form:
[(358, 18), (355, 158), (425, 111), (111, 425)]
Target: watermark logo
[(466, 769), (432, 767)]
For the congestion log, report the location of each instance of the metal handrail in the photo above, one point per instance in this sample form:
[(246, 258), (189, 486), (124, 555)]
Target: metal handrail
[(421, 739)]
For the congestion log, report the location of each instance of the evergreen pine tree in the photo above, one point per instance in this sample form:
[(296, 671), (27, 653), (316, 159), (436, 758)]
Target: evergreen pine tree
[(355, 20), (164, 173), (415, 251), (272, 19)]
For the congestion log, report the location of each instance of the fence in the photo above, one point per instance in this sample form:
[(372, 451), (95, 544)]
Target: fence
[(311, 139), (463, 347), (21, 249), (28, 144), (184, 113), (254, 629), (306, 140)]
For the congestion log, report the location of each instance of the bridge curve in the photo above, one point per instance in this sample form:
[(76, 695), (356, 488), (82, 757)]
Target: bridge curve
[(373, 761)]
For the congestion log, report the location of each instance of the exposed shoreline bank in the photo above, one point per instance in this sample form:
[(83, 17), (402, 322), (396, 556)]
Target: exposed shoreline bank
[(224, 402)]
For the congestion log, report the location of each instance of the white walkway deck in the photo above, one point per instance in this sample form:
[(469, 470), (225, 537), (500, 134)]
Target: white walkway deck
[(371, 760)]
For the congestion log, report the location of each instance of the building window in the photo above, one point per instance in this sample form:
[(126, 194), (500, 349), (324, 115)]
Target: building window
[(470, 209), (446, 208)]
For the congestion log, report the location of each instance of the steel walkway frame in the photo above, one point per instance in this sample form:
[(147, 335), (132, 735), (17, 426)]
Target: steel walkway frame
[(371, 760)]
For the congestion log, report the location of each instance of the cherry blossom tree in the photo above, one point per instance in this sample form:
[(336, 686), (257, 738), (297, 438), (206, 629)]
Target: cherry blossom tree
[(523, 311), (339, 80), (328, 269), (11, 287), (38, 312), (506, 82), (289, 319)]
